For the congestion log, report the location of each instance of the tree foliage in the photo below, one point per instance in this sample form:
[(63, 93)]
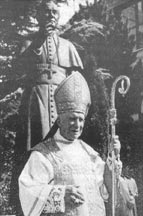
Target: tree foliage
[(103, 41)]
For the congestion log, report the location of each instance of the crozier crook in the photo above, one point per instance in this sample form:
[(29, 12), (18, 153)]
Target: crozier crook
[(113, 119)]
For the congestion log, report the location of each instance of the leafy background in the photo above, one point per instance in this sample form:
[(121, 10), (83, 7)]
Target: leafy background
[(102, 40)]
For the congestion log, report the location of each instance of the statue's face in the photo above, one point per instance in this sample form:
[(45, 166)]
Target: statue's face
[(48, 15), (71, 124)]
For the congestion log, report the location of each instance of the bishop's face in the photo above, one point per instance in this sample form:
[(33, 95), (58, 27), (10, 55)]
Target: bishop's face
[(71, 124), (48, 16)]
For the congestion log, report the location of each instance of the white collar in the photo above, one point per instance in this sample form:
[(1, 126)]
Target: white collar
[(63, 142)]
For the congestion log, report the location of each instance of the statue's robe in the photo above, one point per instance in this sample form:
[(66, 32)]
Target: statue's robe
[(45, 69), (55, 164)]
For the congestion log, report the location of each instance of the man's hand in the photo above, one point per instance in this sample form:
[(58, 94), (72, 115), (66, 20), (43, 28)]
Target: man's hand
[(116, 145), (74, 196)]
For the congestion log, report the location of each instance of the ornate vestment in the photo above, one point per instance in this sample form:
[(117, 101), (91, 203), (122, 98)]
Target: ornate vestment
[(50, 168), (45, 68)]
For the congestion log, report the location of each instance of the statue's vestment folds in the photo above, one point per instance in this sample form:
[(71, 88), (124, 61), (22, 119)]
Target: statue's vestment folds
[(45, 68)]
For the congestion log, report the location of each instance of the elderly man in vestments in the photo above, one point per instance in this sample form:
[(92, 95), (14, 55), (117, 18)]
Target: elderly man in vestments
[(47, 59), (63, 175)]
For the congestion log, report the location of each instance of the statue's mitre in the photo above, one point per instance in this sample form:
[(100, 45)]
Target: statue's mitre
[(73, 94)]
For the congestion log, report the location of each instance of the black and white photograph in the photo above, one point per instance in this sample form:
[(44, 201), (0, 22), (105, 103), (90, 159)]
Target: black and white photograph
[(71, 107)]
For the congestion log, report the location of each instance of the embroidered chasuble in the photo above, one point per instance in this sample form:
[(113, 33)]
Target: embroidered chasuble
[(50, 168)]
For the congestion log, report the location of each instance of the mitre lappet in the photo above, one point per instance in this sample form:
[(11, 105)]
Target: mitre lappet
[(73, 95)]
